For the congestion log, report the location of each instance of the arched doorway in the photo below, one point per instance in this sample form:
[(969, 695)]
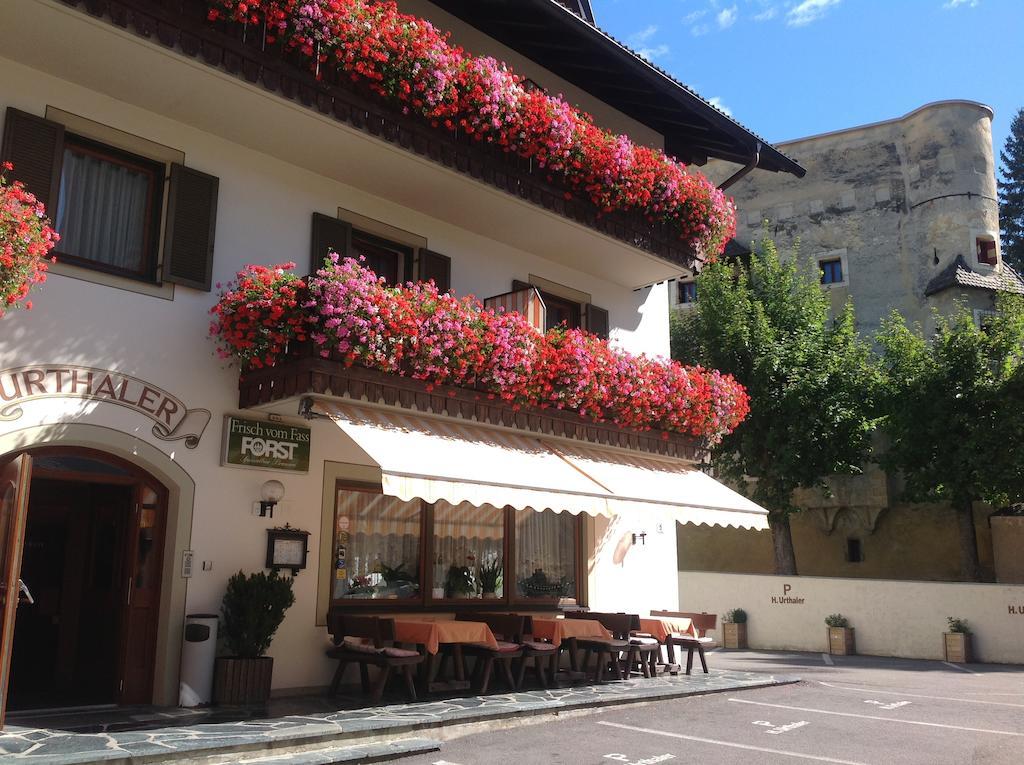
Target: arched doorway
[(93, 561)]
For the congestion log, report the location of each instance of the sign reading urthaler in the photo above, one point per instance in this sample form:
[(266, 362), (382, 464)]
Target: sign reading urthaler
[(270, 445)]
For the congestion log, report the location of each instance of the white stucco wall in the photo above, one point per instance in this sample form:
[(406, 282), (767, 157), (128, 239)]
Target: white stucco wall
[(264, 211)]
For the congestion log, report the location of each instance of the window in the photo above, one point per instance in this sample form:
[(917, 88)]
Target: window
[(831, 271), (385, 258), (854, 552), (545, 555), (468, 551), (687, 292), (108, 209), (560, 311), (986, 248), (376, 545), (423, 554)]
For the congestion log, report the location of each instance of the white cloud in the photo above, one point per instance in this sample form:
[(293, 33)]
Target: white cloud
[(727, 17), (700, 29), (644, 35), (693, 16), (717, 103), (766, 15), (652, 53), (958, 3), (808, 12)]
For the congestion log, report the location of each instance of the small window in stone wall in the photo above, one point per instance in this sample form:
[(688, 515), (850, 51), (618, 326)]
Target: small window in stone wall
[(854, 551), (986, 248), (831, 271), (687, 292)]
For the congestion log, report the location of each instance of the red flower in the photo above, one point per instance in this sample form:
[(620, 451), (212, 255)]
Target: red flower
[(26, 238)]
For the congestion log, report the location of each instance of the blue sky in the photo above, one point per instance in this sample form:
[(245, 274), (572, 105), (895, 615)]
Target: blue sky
[(792, 68)]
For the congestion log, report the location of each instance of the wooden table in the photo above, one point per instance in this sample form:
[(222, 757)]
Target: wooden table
[(434, 634), (662, 627), (557, 630)]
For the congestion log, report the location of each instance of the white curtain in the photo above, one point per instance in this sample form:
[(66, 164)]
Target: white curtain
[(465, 535), (102, 211), (545, 543)]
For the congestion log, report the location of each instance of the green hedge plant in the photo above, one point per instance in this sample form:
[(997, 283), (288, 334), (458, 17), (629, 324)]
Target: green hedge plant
[(252, 610), (837, 620)]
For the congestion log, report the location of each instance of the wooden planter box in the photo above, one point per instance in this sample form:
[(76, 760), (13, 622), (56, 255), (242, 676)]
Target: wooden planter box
[(841, 641), (242, 681), (734, 635), (957, 647)]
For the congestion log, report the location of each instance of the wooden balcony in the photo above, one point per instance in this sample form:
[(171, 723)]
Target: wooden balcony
[(182, 25), (305, 373)]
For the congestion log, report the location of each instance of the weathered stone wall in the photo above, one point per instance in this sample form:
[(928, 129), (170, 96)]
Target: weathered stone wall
[(898, 200)]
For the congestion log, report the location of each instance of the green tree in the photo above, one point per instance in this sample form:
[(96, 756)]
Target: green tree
[(1011, 194), (809, 378), (954, 412)]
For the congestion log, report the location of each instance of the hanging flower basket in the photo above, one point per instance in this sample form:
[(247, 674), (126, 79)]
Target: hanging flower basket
[(26, 239)]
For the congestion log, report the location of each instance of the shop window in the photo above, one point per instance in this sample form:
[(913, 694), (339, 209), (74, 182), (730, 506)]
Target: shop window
[(376, 546), (831, 271), (687, 292), (986, 249), (468, 551), (546, 553), (854, 551)]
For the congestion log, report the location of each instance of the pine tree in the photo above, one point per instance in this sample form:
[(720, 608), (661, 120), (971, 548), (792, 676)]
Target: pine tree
[(1011, 194)]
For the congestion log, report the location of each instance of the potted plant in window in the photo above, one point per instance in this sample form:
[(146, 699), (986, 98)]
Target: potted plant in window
[(734, 628), (957, 641), (459, 582), (489, 575), (398, 583), (840, 635), (252, 610)]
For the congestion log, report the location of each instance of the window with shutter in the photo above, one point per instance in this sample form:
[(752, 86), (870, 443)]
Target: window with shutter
[(434, 265), (329, 235), (35, 146), (191, 224), (597, 321)]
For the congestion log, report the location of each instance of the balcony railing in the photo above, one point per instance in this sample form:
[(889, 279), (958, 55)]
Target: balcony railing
[(183, 26)]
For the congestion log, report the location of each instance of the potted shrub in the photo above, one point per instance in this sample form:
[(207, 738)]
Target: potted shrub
[(459, 582), (840, 635), (957, 641), (252, 610), (489, 575), (734, 628)]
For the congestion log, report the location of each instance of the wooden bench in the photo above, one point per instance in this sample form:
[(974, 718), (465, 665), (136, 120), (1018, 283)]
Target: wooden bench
[(637, 651), (701, 624), (508, 630), (366, 641)]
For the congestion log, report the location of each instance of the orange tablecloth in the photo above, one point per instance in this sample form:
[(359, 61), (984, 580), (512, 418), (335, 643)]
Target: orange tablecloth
[(557, 630), (431, 634), (662, 628)]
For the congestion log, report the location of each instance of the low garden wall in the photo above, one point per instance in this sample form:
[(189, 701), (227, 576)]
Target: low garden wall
[(891, 618)]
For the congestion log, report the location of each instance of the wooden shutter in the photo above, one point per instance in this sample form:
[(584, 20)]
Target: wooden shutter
[(329, 235), (190, 228), (434, 265), (35, 146), (518, 285), (597, 320)]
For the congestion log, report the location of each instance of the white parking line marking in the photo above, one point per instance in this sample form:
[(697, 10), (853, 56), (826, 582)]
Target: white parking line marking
[(827, 659), (731, 744), (889, 707), (778, 729), (922, 696), (957, 666), (883, 719)]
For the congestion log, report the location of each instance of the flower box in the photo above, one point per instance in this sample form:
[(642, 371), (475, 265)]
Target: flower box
[(841, 641), (734, 635), (957, 647)]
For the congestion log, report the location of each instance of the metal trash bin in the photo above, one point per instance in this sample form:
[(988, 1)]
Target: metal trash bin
[(198, 652)]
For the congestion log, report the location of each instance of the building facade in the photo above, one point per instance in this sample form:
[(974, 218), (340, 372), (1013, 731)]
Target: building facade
[(900, 216), (152, 477)]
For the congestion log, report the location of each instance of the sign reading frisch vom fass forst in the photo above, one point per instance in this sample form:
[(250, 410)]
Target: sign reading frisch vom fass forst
[(267, 445)]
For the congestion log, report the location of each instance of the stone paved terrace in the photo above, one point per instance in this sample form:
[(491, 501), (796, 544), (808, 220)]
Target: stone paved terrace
[(196, 739)]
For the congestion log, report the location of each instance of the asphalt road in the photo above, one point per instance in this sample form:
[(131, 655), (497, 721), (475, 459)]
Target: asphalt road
[(857, 710)]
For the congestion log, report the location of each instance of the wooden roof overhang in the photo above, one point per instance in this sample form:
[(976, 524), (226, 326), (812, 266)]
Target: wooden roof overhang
[(182, 25), (304, 373), (561, 41)]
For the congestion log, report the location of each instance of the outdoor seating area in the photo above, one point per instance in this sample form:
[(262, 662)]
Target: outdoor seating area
[(476, 651)]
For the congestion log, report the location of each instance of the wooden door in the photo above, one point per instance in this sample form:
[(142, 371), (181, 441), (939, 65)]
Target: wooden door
[(143, 564), (15, 477)]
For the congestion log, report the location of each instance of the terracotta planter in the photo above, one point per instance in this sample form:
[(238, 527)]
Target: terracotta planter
[(841, 641), (957, 647), (242, 681), (734, 635)]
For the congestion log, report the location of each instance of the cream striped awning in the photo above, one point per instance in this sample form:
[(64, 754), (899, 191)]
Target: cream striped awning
[(434, 458)]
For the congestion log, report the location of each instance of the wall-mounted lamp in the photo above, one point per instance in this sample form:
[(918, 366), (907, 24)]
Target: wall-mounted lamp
[(642, 536), (271, 493)]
